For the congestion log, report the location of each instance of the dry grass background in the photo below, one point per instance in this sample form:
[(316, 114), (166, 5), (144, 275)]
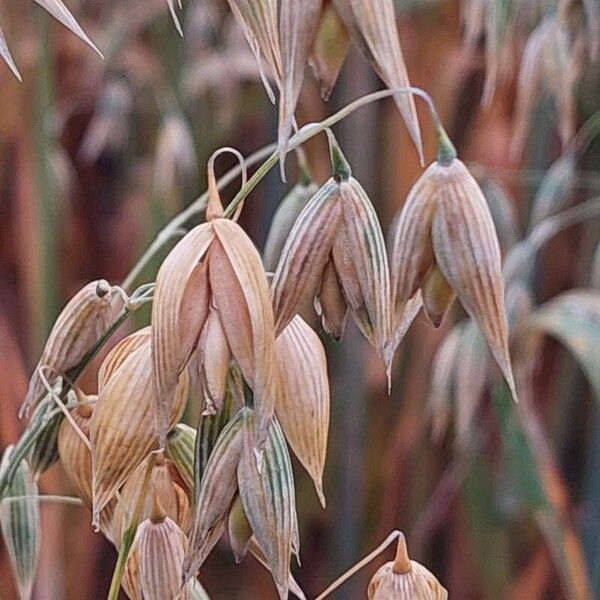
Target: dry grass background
[(67, 219)]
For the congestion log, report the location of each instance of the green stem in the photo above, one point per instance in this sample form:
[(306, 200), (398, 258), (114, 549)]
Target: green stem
[(129, 535), (312, 129)]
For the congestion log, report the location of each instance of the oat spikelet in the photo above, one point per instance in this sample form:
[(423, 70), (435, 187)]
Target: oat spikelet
[(217, 490), (446, 223), (404, 579), (180, 449), (268, 498), (82, 322), (21, 529), (122, 431), (303, 403), (372, 23), (337, 229), (229, 284), (298, 26)]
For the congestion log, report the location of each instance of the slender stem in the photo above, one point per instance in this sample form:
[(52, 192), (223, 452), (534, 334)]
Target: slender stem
[(360, 564), (51, 498), (312, 129), (129, 535), (270, 153)]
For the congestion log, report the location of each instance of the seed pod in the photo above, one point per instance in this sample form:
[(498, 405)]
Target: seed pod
[(76, 460), (20, 522), (180, 449), (210, 426), (268, 498), (114, 359), (258, 19), (404, 579), (284, 218), (329, 50), (217, 490), (372, 24), (162, 488), (446, 223), (122, 428), (438, 295), (87, 316), (298, 26), (303, 403), (162, 546), (231, 279)]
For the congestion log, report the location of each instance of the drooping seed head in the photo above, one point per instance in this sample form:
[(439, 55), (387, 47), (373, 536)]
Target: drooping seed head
[(404, 579)]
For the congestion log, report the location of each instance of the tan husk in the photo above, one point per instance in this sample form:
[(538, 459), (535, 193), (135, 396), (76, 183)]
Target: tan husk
[(446, 223), (230, 281), (86, 317), (259, 21), (330, 303), (303, 403), (240, 530), (122, 428), (114, 359), (283, 220)]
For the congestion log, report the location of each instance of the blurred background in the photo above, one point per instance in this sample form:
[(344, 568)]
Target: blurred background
[(96, 155)]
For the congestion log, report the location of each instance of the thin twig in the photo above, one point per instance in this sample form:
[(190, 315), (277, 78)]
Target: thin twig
[(51, 498)]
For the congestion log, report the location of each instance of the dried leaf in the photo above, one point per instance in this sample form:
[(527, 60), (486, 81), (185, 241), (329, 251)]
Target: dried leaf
[(20, 522), (122, 427), (268, 498), (303, 403), (87, 316)]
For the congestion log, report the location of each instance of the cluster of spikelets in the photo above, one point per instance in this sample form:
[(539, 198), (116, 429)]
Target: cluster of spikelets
[(227, 338), (224, 337)]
